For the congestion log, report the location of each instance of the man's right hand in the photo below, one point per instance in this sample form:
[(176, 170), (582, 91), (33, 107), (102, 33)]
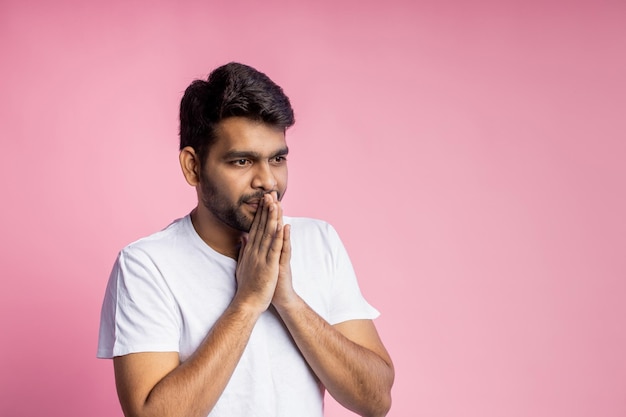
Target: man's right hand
[(259, 256)]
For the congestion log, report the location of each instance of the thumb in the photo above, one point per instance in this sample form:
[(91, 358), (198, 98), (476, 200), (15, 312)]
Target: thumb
[(242, 246)]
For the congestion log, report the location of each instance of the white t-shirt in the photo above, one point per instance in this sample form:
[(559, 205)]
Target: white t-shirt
[(167, 290)]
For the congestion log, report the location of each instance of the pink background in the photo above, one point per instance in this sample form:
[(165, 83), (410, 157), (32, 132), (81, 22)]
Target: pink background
[(471, 157)]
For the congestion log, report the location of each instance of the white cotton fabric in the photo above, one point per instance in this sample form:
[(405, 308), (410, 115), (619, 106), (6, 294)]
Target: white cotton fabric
[(167, 290)]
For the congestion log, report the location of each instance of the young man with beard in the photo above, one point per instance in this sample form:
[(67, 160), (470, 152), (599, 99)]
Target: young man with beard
[(236, 310)]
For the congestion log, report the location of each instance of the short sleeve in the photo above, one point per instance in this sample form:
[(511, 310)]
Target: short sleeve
[(138, 312), (347, 302)]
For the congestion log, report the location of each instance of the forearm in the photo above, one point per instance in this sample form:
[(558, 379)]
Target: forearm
[(192, 388), (355, 376)]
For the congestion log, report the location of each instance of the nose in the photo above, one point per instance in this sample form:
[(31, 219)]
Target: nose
[(264, 178)]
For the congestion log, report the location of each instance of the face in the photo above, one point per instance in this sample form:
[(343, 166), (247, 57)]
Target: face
[(246, 161)]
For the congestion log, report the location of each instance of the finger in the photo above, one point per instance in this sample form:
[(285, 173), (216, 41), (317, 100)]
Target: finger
[(261, 225), (285, 254), (271, 227), (280, 214), (276, 246), (255, 221)]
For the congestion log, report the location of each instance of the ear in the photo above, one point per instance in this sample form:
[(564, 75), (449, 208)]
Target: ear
[(190, 165)]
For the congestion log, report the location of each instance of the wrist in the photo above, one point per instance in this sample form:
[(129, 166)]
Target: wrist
[(289, 304), (248, 307)]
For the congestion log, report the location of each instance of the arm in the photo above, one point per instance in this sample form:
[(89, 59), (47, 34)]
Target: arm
[(348, 358), (154, 384), (157, 384)]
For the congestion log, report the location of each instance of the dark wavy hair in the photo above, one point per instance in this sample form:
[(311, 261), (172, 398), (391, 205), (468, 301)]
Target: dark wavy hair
[(231, 90)]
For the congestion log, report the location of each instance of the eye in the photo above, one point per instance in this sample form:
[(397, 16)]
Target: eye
[(280, 159), (241, 162)]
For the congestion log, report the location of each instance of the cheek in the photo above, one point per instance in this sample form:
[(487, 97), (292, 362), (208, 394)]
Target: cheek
[(282, 182), (226, 188), (234, 184), (282, 176)]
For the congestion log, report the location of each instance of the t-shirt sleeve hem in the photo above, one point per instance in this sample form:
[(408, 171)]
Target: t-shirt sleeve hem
[(125, 350), (371, 314)]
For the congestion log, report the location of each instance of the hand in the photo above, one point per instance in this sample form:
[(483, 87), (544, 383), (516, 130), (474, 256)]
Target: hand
[(259, 256)]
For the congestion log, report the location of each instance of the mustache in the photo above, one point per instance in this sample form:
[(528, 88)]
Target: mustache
[(258, 196)]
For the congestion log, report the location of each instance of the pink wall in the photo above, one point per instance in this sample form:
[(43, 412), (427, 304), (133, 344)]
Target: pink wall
[(472, 159)]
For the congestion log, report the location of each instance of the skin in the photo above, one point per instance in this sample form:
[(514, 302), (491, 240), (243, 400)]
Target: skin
[(239, 215)]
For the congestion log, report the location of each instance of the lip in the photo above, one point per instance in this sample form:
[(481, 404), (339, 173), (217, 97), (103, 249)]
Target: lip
[(253, 204)]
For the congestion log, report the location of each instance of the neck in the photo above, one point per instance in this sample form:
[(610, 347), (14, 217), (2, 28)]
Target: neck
[(220, 237)]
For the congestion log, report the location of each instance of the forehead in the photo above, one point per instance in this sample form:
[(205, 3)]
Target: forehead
[(244, 135)]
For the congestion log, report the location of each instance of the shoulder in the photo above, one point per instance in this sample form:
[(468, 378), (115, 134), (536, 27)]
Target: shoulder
[(164, 240), (150, 258)]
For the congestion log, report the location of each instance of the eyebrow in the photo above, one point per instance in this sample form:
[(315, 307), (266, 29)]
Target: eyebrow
[(234, 154)]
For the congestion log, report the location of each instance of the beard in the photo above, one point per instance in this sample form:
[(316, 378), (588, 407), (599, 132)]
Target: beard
[(231, 214)]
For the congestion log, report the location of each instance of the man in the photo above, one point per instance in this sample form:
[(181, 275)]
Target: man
[(236, 310)]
